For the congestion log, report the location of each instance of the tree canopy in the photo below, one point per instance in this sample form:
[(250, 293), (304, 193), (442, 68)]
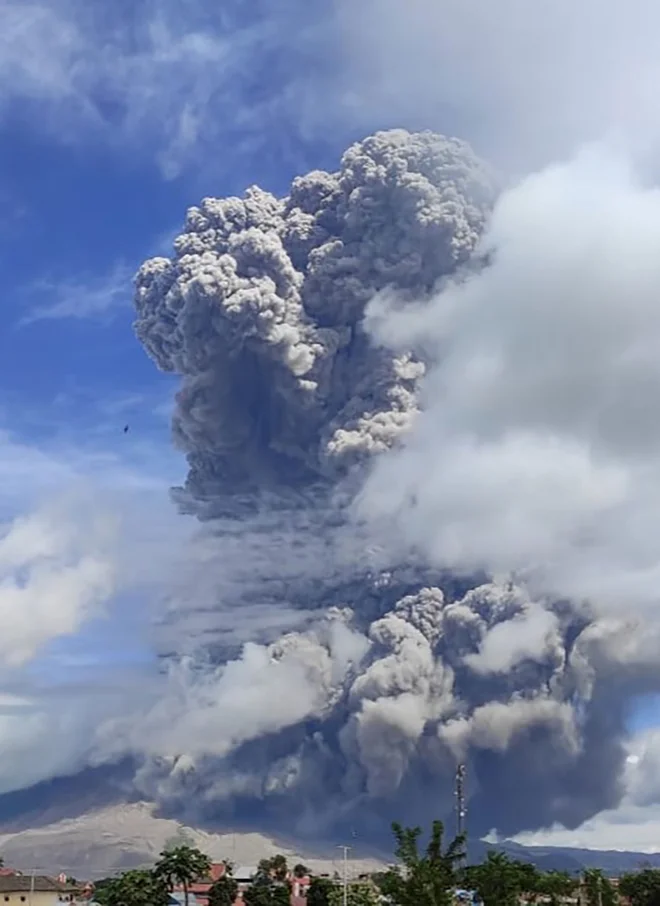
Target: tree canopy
[(424, 875), (554, 886), (225, 890), (427, 877), (134, 888), (318, 893), (642, 888), (182, 865), (500, 881), (360, 893), (270, 886)]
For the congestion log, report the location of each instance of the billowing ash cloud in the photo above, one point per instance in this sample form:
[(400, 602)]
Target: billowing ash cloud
[(396, 669), (261, 309)]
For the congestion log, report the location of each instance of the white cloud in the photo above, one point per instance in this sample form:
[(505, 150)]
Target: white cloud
[(537, 452), (200, 83), (33, 472), (203, 714), (528, 635), (526, 81), (97, 543), (55, 574), (83, 529), (173, 80), (93, 297), (39, 741)]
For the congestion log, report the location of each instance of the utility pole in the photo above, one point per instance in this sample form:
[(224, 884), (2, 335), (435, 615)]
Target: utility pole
[(345, 850)]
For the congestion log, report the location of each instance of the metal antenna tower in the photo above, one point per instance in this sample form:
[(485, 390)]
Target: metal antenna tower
[(461, 809), (345, 850)]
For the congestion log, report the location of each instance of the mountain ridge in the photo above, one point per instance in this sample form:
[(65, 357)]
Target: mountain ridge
[(115, 837)]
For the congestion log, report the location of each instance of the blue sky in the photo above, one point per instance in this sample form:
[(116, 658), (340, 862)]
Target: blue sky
[(114, 118), (100, 159), (114, 121)]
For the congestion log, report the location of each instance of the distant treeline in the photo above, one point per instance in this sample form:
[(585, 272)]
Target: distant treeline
[(432, 875)]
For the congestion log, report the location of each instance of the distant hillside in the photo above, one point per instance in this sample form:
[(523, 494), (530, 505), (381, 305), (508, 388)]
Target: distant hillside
[(564, 858), (117, 837)]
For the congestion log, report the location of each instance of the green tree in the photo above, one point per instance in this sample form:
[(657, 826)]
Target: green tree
[(555, 886), (270, 885), (225, 890), (266, 891), (642, 888), (257, 894), (500, 881), (319, 891), (359, 893), (182, 865), (99, 887), (300, 870), (134, 888), (427, 878), (275, 868), (280, 895), (598, 890)]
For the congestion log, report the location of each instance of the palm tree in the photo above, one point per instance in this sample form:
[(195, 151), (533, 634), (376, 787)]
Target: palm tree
[(182, 865)]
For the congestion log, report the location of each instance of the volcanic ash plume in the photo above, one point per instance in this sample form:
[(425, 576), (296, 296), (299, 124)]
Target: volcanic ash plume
[(400, 669)]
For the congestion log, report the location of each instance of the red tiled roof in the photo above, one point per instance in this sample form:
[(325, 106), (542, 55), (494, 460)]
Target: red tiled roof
[(201, 888)]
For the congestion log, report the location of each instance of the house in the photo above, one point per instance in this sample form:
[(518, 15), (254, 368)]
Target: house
[(33, 890), (299, 887), (198, 891)]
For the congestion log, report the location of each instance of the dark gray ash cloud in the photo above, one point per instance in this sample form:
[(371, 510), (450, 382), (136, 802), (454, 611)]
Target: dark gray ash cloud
[(310, 333)]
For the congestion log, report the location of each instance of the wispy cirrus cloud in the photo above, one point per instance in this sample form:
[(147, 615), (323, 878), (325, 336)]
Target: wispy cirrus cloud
[(174, 80), (83, 297), (30, 471)]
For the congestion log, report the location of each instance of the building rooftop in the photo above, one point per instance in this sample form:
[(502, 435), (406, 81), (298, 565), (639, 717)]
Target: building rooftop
[(26, 883), (245, 872)]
